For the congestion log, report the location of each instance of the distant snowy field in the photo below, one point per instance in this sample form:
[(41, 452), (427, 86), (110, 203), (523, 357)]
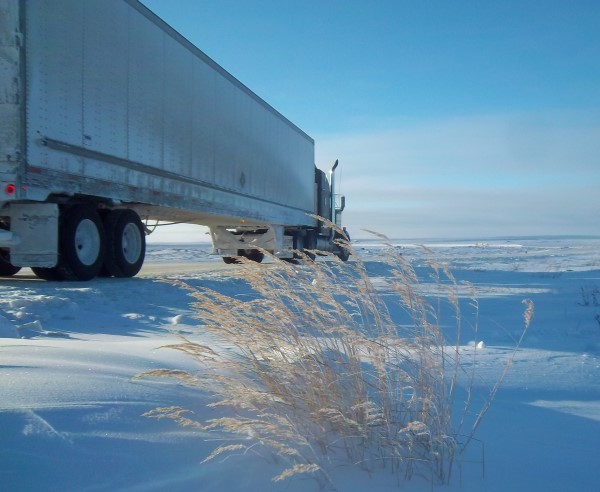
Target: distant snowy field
[(70, 415)]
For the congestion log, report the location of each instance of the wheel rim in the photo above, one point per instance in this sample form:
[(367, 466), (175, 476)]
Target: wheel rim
[(131, 243), (87, 242)]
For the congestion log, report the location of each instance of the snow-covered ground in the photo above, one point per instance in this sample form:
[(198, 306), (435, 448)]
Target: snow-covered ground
[(70, 413)]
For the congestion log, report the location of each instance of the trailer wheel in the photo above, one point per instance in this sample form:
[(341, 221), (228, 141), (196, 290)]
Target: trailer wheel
[(47, 273), (230, 260), (125, 243), (6, 268), (82, 243)]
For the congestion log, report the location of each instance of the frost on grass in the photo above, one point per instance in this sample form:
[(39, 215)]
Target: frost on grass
[(313, 368)]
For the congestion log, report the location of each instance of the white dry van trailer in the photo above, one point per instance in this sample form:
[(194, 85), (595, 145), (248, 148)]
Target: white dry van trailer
[(109, 118)]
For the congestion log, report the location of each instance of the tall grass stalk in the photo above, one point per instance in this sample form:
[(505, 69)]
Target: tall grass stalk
[(316, 370)]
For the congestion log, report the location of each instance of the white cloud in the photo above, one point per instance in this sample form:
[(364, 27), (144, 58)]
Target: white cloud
[(486, 175)]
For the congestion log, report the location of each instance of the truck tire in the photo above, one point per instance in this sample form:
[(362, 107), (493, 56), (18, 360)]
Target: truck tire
[(6, 268), (253, 255), (342, 253), (125, 243), (81, 243), (47, 273)]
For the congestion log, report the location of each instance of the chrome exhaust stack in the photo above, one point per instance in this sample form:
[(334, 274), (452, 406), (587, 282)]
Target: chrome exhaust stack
[(336, 210), (332, 187)]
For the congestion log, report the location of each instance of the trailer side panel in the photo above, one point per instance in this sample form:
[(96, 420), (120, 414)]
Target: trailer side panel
[(121, 106), (10, 82)]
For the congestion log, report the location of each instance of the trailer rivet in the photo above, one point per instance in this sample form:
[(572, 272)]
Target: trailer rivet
[(10, 189)]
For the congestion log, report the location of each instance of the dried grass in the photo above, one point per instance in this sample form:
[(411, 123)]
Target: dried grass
[(318, 373)]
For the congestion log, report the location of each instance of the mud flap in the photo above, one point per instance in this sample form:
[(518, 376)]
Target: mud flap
[(35, 228)]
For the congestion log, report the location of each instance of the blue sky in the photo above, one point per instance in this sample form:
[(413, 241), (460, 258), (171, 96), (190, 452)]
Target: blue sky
[(455, 119)]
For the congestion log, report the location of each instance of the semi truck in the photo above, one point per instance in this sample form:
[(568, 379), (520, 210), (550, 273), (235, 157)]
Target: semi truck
[(110, 120)]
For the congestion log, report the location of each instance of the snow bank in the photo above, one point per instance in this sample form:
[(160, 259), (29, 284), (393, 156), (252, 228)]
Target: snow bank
[(70, 413)]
